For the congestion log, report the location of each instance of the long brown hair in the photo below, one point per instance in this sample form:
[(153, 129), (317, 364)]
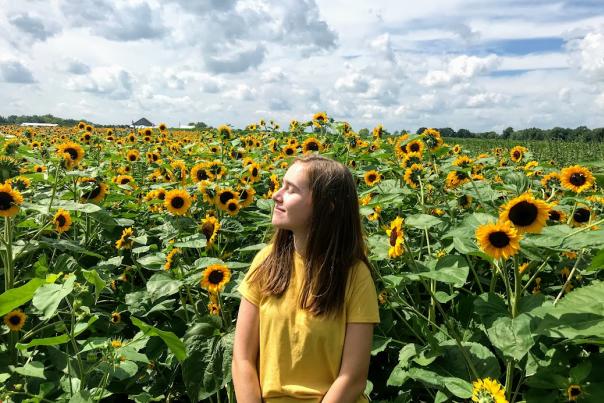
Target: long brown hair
[(335, 241)]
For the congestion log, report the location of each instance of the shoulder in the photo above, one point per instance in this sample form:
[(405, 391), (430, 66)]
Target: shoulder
[(360, 273), (261, 256)]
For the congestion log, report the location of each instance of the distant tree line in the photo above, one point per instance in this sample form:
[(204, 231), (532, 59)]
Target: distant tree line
[(580, 133), (17, 120)]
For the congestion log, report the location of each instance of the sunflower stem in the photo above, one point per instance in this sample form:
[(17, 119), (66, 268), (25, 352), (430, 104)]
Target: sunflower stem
[(474, 273), (9, 279), (535, 275), (570, 276), (583, 228)]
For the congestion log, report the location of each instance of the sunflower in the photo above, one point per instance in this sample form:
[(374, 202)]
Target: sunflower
[(551, 180), (464, 201), (581, 216), (396, 238), (526, 213), (232, 207), (310, 145), (223, 196), (225, 132), (412, 175), (463, 161), (289, 150), (15, 320), (177, 201), (432, 139), (246, 196), (557, 215), (372, 177), (576, 178), (378, 131), (215, 277), (375, 215), (162, 126), (124, 180), (573, 392), (488, 390), (415, 146), (71, 152), (10, 199), (81, 125), (170, 258), (456, 178), (116, 318), (517, 152), (133, 155), (253, 172), (125, 241), (319, 119), (152, 156), (88, 128), (19, 183), (116, 343), (209, 228), (200, 172), (62, 221), (456, 149), (96, 195), (410, 159), (499, 239), (214, 309)]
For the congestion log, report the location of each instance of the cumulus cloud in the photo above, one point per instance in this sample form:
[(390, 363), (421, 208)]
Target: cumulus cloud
[(107, 81), (279, 104), (33, 26), (461, 68), (127, 22), (235, 60), (353, 82), (587, 54), (13, 71), (75, 66), (242, 92), (484, 99)]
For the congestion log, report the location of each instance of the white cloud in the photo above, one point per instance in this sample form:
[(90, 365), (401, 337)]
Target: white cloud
[(242, 92), (353, 82), (587, 54), (36, 27), (485, 99), (461, 68), (110, 81)]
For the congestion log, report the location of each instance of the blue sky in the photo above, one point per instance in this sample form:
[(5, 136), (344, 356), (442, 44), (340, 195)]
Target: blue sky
[(481, 65)]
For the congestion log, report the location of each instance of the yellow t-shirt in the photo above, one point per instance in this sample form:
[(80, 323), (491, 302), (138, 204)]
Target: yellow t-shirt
[(300, 355)]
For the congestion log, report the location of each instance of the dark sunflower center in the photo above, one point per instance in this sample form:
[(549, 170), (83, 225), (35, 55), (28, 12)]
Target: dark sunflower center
[(93, 193), (461, 175), (15, 320), (255, 171), (161, 195), (61, 220), (575, 391), (523, 214), (124, 181), (215, 277), (577, 179), (414, 147), (289, 151), (73, 153), (244, 195), (372, 177), (232, 206), (132, 157), (202, 175), (226, 196), (207, 230), (178, 202), (499, 239), (554, 215), (581, 215), (393, 236), (271, 186), (312, 146), (6, 200), (517, 154)]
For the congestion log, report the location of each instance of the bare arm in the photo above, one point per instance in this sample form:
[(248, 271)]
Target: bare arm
[(351, 380), (245, 354)]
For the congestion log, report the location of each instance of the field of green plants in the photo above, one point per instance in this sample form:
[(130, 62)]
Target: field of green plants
[(122, 251)]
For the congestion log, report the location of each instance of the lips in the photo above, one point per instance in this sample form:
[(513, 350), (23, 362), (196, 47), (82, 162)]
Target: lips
[(279, 209)]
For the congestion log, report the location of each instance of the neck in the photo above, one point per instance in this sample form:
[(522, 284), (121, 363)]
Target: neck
[(300, 243)]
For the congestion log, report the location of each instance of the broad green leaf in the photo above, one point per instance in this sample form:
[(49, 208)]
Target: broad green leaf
[(597, 263), (153, 261), (422, 221), (176, 346), (193, 241), (251, 248), (93, 278), (490, 307), (379, 344), (62, 339), (48, 297), (16, 297), (450, 269), (162, 285), (125, 370), (513, 337), (34, 369)]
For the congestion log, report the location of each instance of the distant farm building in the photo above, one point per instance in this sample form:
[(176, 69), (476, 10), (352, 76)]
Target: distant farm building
[(39, 124), (142, 123)]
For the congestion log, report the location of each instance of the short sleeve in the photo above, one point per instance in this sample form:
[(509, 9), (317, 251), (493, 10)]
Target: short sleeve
[(250, 290), (362, 304)]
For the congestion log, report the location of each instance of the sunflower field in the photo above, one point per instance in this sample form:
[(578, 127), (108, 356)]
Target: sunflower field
[(122, 250)]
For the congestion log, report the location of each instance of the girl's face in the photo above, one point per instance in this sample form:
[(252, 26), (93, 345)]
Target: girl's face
[(293, 201)]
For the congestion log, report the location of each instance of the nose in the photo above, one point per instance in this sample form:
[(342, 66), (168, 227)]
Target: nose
[(277, 195)]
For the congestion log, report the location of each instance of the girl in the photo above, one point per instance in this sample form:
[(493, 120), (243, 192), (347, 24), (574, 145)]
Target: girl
[(305, 322)]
